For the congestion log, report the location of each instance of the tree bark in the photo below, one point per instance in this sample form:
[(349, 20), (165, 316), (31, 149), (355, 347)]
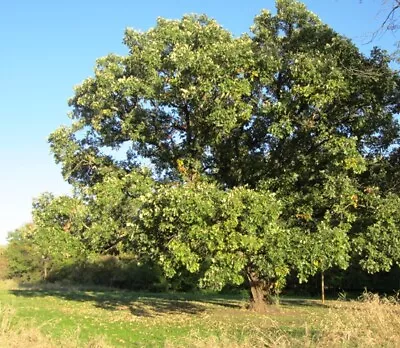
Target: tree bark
[(323, 287), (260, 293)]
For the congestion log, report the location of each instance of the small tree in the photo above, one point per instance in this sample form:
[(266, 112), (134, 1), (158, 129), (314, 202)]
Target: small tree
[(58, 235), (23, 258)]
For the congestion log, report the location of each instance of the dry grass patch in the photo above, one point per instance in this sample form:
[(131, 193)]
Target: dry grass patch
[(371, 322)]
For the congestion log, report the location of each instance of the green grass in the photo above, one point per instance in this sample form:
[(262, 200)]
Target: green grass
[(134, 319), (144, 319)]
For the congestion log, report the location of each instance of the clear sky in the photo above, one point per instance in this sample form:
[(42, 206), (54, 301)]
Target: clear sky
[(47, 47)]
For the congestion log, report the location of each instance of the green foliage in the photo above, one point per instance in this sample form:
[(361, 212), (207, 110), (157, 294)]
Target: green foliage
[(59, 222), (178, 92), (377, 245), (53, 240), (321, 121), (113, 206), (23, 258), (263, 152), (223, 234), (3, 263)]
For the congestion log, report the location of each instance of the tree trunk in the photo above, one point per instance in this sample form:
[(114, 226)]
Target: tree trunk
[(45, 270), (45, 266), (260, 293), (322, 287)]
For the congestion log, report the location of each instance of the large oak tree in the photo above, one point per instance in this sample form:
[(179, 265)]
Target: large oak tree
[(259, 148)]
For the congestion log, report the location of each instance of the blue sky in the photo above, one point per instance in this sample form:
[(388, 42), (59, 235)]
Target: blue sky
[(47, 47)]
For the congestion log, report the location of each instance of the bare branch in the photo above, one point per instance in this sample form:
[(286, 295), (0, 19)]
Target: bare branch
[(389, 23)]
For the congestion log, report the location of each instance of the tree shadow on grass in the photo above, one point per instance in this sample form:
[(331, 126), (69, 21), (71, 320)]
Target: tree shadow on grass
[(302, 302), (139, 304)]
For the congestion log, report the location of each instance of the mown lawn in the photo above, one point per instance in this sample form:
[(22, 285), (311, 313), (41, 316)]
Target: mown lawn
[(133, 319)]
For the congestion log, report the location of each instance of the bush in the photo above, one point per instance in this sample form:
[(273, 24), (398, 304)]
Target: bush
[(22, 261)]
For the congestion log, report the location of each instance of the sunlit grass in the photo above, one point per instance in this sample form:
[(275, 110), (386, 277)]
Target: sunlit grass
[(79, 318)]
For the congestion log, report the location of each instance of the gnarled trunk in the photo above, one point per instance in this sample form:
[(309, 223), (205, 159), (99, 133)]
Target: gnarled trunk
[(260, 292)]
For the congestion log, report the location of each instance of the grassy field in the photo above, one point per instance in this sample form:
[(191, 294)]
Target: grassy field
[(77, 318)]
